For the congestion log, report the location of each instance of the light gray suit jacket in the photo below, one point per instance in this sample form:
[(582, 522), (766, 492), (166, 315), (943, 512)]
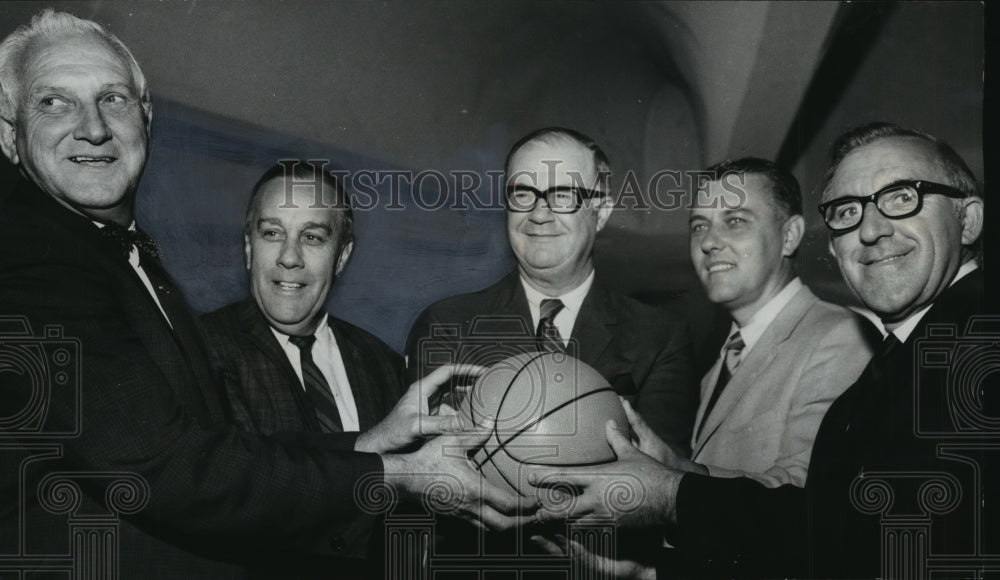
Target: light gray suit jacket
[(765, 421)]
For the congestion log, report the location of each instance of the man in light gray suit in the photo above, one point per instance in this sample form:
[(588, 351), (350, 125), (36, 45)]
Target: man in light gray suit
[(789, 354)]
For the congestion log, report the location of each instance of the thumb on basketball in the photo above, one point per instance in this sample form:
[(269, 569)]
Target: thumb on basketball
[(617, 439)]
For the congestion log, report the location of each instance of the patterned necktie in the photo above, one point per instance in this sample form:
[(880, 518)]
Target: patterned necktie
[(734, 346), (547, 336), (125, 239), (317, 388)]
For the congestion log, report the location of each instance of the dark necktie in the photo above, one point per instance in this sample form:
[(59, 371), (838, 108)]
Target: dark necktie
[(547, 336), (125, 239), (734, 346), (880, 364), (316, 386)]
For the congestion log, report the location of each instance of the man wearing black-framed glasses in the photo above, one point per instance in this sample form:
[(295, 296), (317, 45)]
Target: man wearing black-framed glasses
[(904, 477), (557, 201)]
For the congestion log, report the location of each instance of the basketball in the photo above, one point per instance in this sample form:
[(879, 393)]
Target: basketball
[(546, 409)]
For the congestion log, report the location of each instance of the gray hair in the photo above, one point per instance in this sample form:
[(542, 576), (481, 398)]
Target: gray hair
[(45, 23)]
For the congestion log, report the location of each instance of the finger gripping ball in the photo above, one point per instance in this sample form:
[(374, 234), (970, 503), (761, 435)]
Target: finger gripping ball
[(544, 409)]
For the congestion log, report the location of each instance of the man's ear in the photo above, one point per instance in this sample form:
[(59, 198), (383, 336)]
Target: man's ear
[(247, 250), (8, 140), (147, 112), (791, 234), (345, 253), (604, 211), (972, 219)]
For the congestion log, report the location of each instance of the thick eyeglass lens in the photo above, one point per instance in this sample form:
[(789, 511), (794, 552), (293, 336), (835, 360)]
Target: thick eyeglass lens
[(559, 199), (896, 202)]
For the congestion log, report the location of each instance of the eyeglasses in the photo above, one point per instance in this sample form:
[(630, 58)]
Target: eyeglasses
[(559, 198), (898, 200)]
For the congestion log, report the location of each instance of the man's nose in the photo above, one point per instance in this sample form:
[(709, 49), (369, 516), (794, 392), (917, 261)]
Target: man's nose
[(874, 225), (92, 127), (290, 255), (711, 242), (541, 212)]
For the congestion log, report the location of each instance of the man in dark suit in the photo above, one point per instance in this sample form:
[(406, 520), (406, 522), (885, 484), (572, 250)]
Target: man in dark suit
[(294, 253), (557, 202), (118, 450), (904, 476), (288, 366)]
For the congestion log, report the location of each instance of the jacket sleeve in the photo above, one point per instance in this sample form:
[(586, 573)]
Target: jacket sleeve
[(207, 480)]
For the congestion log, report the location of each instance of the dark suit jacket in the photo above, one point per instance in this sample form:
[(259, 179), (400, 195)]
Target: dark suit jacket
[(643, 353), (263, 390), (906, 455), (265, 396), (138, 397)]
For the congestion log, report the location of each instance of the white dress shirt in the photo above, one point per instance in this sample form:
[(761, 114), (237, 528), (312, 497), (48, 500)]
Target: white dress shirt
[(758, 323), (566, 317), (133, 260), (326, 355)]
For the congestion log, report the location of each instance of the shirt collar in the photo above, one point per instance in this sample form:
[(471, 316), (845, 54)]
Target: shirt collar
[(102, 225), (323, 333), (571, 300), (904, 330), (758, 323)]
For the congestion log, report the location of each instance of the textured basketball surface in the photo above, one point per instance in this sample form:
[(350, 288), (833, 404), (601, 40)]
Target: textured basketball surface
[(547, 410)]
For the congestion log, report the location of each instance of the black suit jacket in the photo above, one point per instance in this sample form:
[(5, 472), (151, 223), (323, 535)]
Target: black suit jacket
[(905, 460), (265, 396), (262, 388), (643, 353), (128, 395)]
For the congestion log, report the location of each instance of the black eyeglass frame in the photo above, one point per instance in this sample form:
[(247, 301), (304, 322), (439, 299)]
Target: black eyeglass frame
[(922, 187), (579, 194)]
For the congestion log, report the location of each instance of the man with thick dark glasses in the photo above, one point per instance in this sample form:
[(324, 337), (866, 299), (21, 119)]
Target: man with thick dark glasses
[(898, 200), (557, 202), (904, 479)]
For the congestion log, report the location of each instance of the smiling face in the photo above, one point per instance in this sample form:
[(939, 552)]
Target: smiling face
[(898, 266), (742, 255), (81, 131), (294, 254), (554, 250)]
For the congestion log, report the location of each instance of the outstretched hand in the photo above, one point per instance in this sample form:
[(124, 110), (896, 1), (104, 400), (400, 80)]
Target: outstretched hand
[(650, 443), (637, 490), (410, 420), (441, 475)]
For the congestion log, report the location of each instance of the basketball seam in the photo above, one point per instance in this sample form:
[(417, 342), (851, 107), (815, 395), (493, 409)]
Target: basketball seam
[(501, 445)]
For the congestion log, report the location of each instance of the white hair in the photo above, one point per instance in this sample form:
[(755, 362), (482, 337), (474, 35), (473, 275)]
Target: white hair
[(45, 23)]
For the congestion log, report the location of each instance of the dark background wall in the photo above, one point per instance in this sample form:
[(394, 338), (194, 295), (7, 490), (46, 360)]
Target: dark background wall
[(447, 87)]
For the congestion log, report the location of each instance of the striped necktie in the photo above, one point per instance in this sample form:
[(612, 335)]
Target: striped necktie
[(547, 336), (316, 386), (734, 346)]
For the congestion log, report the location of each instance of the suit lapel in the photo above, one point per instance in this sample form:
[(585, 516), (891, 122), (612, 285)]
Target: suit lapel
[(258, 332), (181, 358), (591, 329), (367, 396), (512, 301), (757, 360)]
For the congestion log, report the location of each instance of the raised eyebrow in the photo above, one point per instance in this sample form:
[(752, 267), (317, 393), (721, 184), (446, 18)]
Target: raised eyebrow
[(318, 226), (120, 87), (737, 210), (269, 222)]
